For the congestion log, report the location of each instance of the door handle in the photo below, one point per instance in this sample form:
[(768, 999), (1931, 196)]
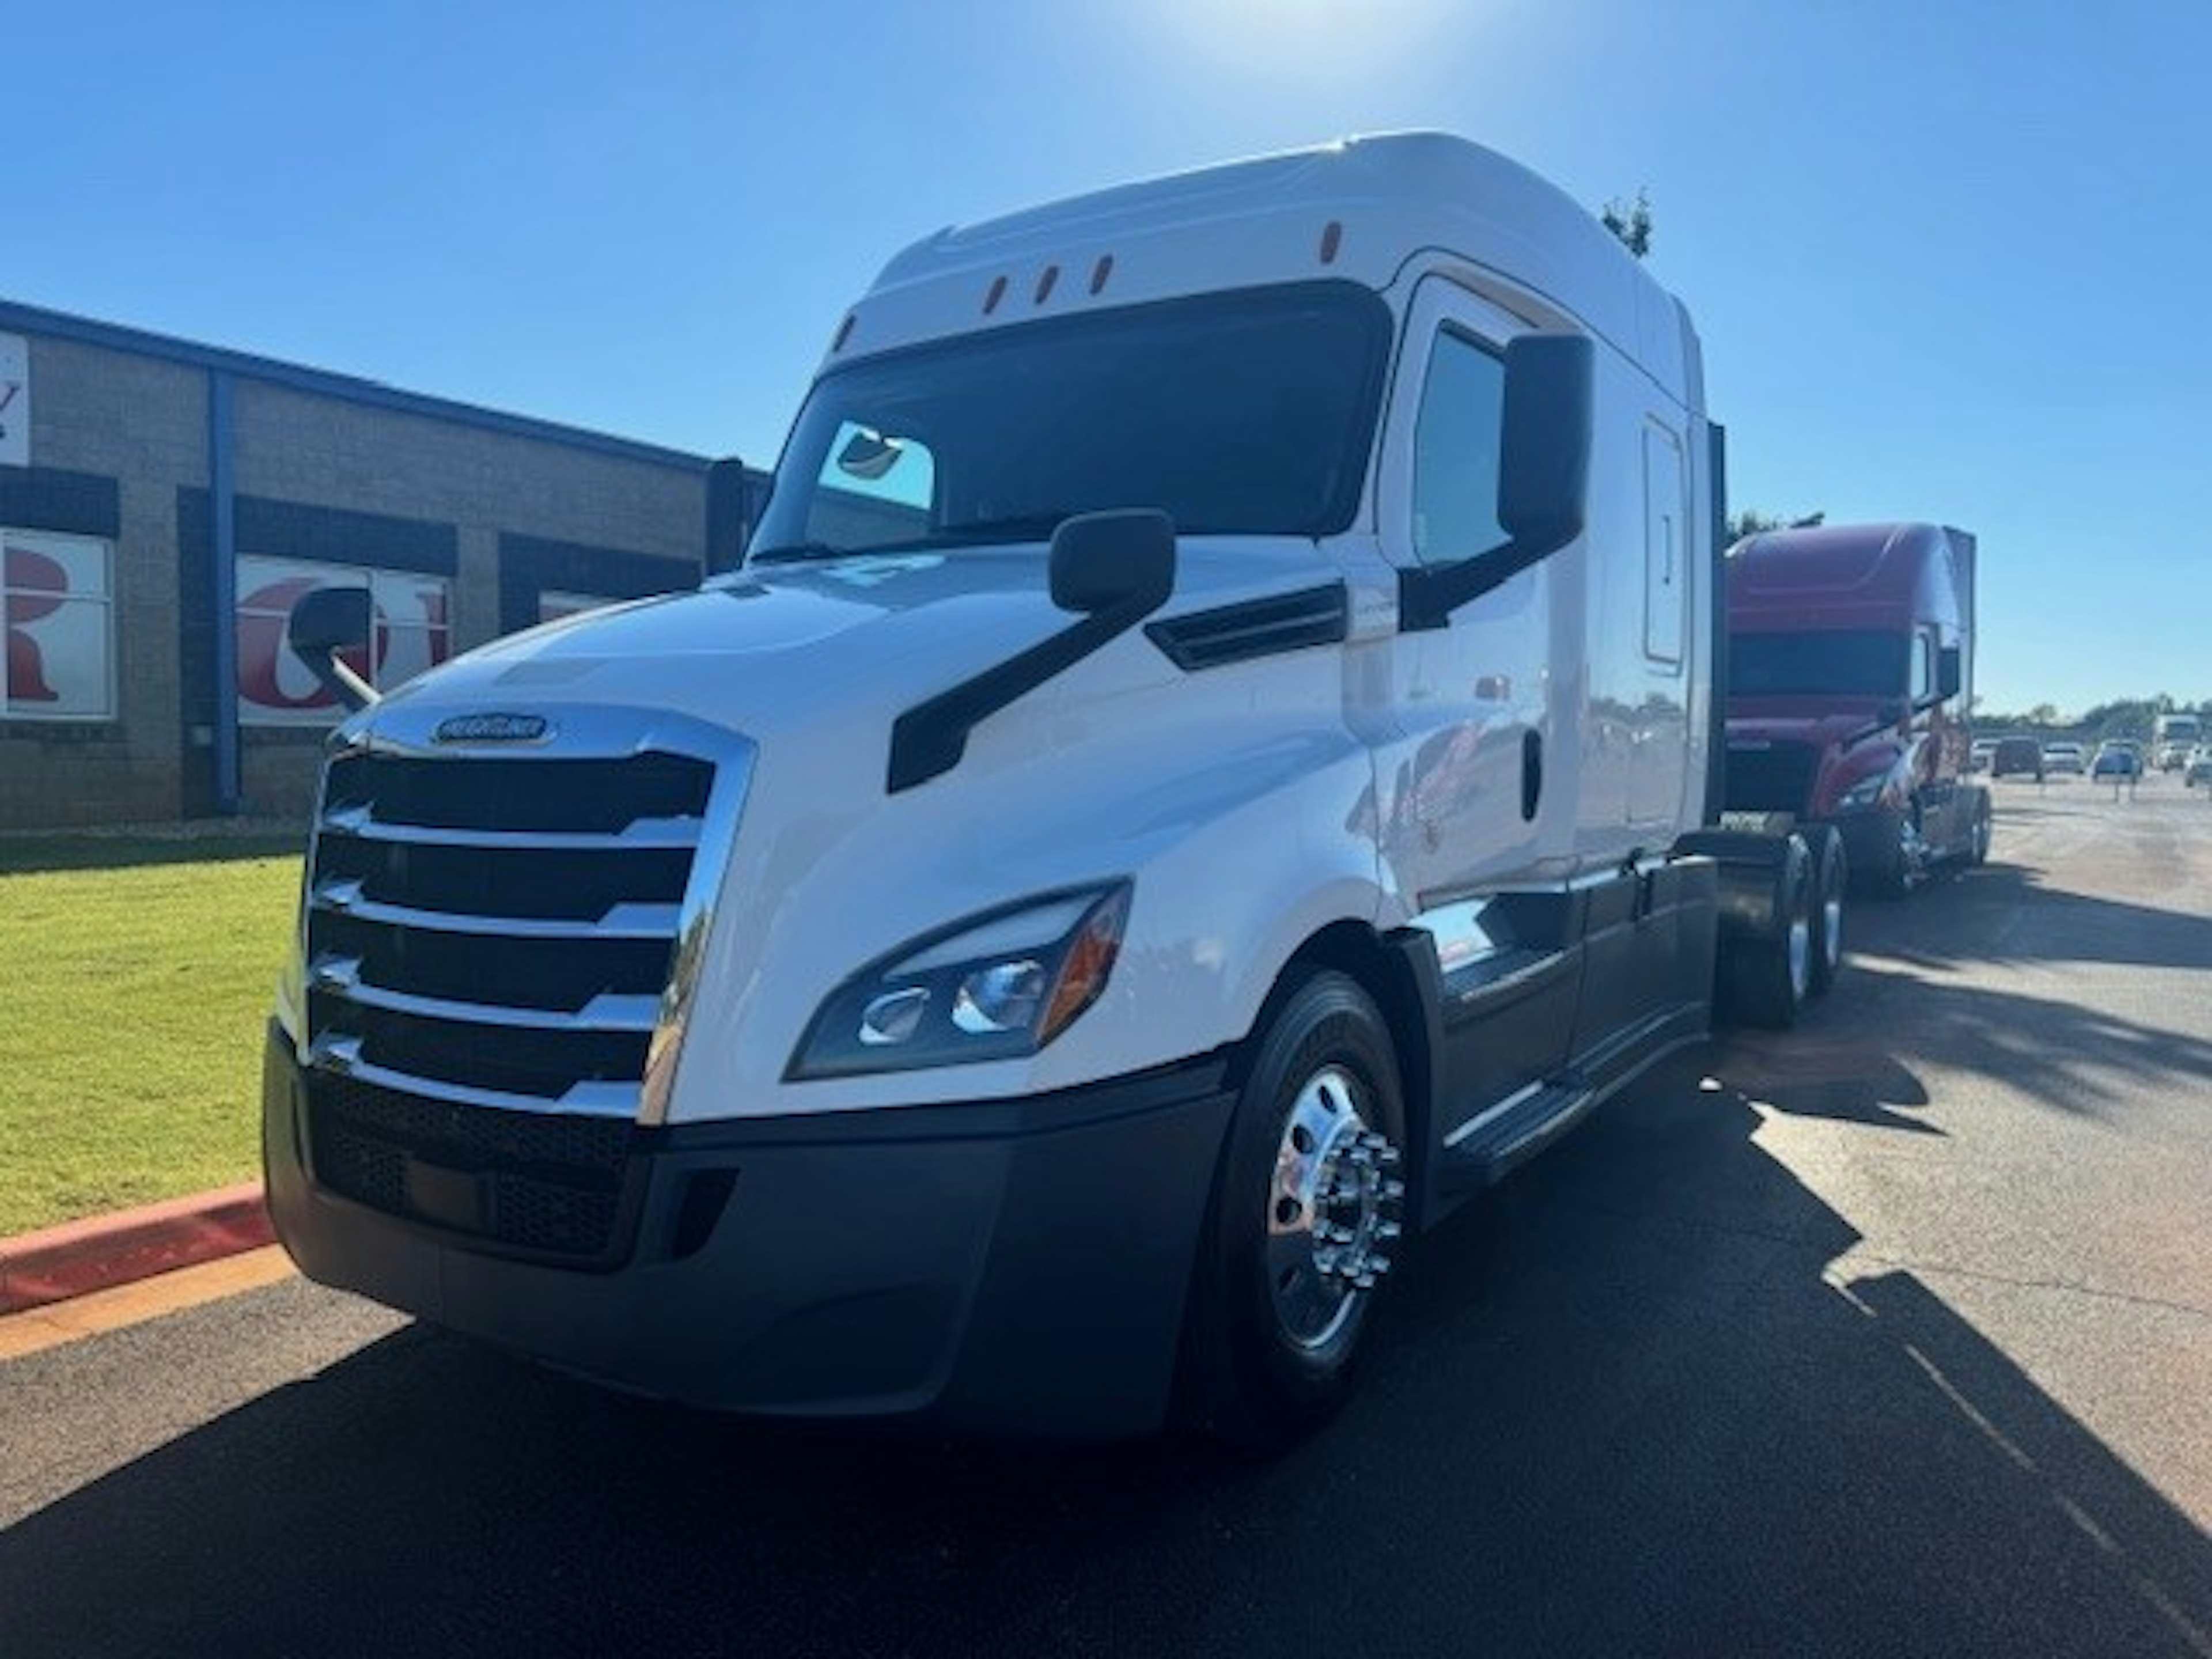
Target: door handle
[(1532, 773)]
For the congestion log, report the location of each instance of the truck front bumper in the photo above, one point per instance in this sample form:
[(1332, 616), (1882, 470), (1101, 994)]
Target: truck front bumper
[(1012, 1267)]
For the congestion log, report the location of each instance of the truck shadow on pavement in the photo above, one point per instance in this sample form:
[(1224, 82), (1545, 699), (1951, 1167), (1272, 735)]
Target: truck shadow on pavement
[(1623, 1405)]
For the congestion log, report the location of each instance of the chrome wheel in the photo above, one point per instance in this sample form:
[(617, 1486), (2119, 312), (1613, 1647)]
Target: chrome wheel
[(1333, 1209), (1801, 953)]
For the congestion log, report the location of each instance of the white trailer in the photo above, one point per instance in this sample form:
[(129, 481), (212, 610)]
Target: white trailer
[(1205, 767)]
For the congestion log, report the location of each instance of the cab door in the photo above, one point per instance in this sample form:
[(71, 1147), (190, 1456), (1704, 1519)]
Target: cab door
[(1464, 816)]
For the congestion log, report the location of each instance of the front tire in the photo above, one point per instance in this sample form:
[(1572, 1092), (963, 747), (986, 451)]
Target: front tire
[(1891, 876), (1769, 979), (1303, 1226)]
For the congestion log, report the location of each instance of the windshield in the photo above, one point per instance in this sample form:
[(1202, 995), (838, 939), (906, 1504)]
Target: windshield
[(2174, 730), (1855, 663), (1250, 412)]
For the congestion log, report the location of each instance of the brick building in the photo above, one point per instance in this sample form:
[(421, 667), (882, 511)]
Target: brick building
[(149, 486)]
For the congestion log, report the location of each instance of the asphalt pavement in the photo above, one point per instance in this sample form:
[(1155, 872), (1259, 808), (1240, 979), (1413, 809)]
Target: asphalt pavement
[(1892, 1335)]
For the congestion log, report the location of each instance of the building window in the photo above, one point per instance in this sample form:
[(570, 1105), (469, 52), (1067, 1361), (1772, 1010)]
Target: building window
[(56, 603), (411, 633)]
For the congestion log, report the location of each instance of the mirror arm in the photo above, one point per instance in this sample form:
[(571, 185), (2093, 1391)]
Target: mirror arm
[(1428, 596), (336, 677), (1880, 727), (929, 739)]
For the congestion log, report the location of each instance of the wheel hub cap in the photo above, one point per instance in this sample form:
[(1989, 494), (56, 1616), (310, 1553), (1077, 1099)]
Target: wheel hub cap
[(1333, 1210)]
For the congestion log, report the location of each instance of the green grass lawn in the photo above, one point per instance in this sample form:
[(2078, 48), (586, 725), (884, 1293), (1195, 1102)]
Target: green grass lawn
[(138, 972)]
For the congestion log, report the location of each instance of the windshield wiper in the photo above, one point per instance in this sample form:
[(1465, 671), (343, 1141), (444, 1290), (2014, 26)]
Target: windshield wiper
[(797, 552)]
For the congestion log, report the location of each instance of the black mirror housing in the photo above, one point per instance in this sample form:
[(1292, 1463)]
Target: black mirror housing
[(1950, 671), (328, 620), (1112, 561), (729, 521), (325, 622), (1543, 482)]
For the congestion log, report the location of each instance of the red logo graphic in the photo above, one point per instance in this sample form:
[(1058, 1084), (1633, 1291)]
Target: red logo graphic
[(27, 574)]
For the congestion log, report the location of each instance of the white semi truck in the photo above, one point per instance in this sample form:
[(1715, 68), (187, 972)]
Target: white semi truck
[(1210, 760)]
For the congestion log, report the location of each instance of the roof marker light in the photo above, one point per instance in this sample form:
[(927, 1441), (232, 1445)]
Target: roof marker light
[(998, 293), (1044, 283), (1332, 237), (844, 332), (1101, 271)]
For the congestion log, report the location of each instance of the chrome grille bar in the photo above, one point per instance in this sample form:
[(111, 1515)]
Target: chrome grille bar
[(448, 958), (622, 921)]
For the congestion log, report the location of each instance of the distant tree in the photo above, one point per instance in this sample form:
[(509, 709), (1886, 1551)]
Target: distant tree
[(1631, 221)]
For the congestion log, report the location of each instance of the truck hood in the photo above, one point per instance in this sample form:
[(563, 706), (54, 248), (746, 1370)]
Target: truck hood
[(788, 646), (1826, 723)]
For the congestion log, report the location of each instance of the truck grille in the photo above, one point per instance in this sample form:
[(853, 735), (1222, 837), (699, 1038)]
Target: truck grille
[(489, 944), (1776, 778)]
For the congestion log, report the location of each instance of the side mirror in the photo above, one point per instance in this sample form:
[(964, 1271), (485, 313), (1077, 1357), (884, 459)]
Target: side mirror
[(1543, 480), (1112, 570), (1950, 671), (1105, 562), (729, 524), (325, 622)]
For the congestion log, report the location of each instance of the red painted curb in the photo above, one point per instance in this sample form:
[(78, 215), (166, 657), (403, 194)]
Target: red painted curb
[(59, 1262)]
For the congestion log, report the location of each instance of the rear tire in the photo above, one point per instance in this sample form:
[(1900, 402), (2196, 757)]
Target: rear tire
[(1770, 979), (1980, 837), (1303, 1224)]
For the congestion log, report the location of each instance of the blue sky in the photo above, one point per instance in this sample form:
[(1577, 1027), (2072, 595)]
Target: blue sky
[(1950, 261)]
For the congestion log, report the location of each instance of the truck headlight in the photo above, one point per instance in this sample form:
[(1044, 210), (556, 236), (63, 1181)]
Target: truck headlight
[(1863, 794), (996, 987)]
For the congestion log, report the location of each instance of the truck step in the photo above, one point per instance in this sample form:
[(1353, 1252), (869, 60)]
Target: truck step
[(1482, 1149)]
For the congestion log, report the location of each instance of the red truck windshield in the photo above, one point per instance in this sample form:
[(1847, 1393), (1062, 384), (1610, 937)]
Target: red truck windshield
[(1850, 663)]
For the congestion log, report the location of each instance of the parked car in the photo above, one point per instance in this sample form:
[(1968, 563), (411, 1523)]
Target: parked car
[(1979, 753), (2199, 768), (2016, 757), (2174, 739), (2063, 757), (2117, 760)]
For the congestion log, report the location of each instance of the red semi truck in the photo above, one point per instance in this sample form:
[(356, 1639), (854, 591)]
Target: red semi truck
[(1849, 679)]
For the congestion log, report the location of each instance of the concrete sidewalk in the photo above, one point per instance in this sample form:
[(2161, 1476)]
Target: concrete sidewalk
[(57, 1263)]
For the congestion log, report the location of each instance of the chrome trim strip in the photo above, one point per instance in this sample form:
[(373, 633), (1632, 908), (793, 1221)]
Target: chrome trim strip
[(1544, 963), (341, 1057), (643, 834), (609, 1011), (342, 898), (733, 758), (1490, 1114)]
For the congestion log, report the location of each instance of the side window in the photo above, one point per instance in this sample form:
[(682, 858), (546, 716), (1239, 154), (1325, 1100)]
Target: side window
[(1456, 440), (874, 487), (1665, 547)]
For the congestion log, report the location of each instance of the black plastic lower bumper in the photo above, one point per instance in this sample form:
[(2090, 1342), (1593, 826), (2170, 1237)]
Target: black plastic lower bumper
[(1015, 1266)]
